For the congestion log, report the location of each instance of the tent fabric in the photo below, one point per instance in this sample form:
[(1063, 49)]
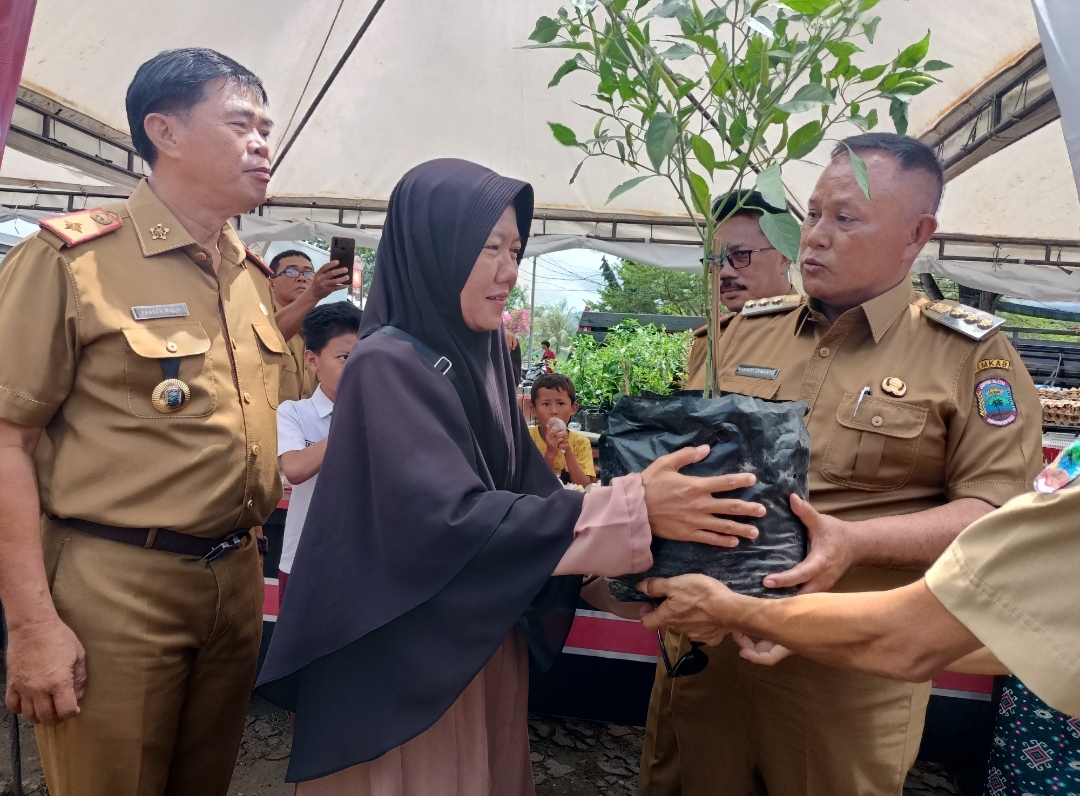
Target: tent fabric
[(1059, 29), (450, 79)]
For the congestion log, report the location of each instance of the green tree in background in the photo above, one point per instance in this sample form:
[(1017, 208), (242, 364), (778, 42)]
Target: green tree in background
[(556, 323), (517, 300), (638, 288)]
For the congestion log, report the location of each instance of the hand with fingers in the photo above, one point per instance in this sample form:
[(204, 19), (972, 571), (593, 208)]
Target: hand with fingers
[(831, 552), (685, 508), (329, 278), (694, 605), (46, 667), (765, 652)]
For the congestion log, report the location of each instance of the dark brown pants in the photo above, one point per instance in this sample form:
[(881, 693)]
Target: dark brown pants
[(171, 648)]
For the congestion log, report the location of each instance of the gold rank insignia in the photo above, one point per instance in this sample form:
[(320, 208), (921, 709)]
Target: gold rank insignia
[(969, 321), (772, 304), (894, 386), (81, 226), (170, 395), (159, 232)]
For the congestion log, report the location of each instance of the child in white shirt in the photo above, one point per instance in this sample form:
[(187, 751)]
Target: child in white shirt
[(303, 426)]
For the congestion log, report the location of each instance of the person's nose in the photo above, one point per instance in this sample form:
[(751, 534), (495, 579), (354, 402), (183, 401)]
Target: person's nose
[(816, 236), (508, 270), (258, 145), (727, 271)]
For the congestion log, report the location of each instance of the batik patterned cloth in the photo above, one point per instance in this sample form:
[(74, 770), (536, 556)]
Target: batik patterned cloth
[(1036, 749)]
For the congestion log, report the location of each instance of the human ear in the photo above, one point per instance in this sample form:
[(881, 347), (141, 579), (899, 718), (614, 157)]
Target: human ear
[(162, 131), (310, 361)]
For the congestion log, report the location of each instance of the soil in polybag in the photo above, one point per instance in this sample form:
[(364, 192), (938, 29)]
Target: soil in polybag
[(745, 434)]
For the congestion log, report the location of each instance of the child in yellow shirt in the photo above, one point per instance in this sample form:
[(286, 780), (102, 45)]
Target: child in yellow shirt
[(554, 399)]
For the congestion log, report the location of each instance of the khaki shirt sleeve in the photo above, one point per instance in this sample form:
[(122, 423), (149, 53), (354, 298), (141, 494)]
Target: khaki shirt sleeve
[(695, 370), (1010, 578), (39, 322), (990, 455)]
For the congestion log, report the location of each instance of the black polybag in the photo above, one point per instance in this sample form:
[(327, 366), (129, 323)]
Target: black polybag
[(745, 434)]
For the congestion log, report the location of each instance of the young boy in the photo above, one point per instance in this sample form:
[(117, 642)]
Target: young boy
[(554, 399), (329, 334)]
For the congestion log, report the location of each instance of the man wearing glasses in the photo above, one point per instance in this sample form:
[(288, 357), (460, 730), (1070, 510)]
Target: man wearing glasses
[(296, 285), (746, 266), (922, 419)]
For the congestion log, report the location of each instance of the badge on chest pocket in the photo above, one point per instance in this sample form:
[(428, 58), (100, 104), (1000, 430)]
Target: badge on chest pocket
[(874, 448), (167, 370)]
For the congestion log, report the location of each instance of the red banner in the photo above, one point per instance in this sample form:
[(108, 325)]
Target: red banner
[(15, 19)]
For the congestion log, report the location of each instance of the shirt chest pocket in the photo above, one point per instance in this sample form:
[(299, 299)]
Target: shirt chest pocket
[(747, 385), (875, 448), (157, 356), (273, 354)]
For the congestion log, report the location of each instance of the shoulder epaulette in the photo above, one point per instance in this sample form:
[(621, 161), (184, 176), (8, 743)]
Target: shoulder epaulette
[(701, 331), (258, 261), (968, 321), (774, 304), (82, 225)]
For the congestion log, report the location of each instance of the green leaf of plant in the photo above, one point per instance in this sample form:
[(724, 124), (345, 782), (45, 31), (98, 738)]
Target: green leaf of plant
[(670, 8), (569, 66), (737, 130), (869, 29), (872, 119), (842, 49), (782, 230), (770, 184), (677, 52), (703, 40), (936, 66), (809, 8), (660, 138), (807, 98), (858, 168), (913, 55), (761, 25), (546, 30), (898, 111), (574, 175), (626, 186), (714, 18), (868, 4), (563, 134), (700, 191), (703, 151), (873, 73), (804, 140)]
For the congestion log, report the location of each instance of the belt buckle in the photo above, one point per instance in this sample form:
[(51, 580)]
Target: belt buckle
[(220, 549)]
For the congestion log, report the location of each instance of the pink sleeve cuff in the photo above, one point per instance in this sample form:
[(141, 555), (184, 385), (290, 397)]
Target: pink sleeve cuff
[(612, 535)]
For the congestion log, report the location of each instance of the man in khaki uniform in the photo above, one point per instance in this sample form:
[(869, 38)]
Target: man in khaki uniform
[(1007, 582), (921, 419), (295, 280), (144, 389), (751, 268)]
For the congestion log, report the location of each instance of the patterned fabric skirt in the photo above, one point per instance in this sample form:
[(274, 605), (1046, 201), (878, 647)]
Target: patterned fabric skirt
[(1036, 750)]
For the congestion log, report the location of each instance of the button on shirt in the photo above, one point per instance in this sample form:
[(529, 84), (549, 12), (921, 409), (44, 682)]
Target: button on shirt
[(85, 370), (300, 425), (890, 455)]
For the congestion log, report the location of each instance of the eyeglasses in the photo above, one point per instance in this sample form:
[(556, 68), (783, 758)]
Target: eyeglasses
[(293, 273), (691, 663), (737, 259)]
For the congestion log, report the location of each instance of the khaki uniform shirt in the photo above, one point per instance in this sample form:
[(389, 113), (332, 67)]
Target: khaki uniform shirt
[(85, 368), (297, 382), (893, 453), (1011, 579)]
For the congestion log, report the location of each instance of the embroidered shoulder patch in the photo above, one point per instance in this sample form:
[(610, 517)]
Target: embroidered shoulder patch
[(996, 403)]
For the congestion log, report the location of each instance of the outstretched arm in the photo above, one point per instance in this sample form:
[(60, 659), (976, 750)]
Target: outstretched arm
[(905, 633)]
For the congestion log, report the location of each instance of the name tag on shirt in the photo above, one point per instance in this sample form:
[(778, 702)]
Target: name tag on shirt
[(757, 373), (150, 312)]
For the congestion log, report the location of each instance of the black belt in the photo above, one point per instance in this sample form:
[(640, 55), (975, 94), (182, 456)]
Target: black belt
[(161, 539)]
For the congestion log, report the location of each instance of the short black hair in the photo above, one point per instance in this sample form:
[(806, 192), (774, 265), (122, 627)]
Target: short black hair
[(553, 381), (327, 321), (172, 82), (911, 153), (546, 342), (275, 264), (754, 204)]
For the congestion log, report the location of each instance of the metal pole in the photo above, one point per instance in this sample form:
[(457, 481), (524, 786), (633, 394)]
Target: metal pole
[(532, 317)]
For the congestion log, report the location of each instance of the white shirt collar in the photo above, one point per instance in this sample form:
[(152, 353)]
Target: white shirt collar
[(323, 405)]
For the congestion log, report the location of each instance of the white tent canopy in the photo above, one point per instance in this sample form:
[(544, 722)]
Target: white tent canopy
[(449, 79)]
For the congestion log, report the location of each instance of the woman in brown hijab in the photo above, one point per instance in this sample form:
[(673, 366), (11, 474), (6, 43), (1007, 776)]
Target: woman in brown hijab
[(440, 552)]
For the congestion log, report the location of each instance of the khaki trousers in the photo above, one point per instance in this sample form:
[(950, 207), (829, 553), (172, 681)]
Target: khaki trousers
[(800, 728), (659, 774), (171, 648)]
